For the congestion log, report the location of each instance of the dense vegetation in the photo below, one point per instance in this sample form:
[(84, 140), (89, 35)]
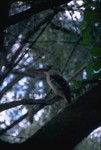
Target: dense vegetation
[(37, 33)]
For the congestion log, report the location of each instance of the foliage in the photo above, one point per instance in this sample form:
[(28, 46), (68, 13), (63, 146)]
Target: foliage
[(67, 37)]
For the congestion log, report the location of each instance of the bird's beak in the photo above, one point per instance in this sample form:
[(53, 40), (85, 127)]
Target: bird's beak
[(43, 70), (40, 70)]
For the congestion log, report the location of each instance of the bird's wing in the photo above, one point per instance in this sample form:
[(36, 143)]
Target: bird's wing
[(62, 85), (59, 82)]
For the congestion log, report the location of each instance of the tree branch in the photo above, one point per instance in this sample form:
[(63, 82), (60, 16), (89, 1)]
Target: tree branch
[(10, 85), (60, 28), (77, 72), (28, 102), (19, 120), (13, 63), (4, 13), (36, 8), (69, 127)]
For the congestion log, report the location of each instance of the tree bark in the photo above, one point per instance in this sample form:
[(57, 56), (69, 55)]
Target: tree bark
[(69, 126)]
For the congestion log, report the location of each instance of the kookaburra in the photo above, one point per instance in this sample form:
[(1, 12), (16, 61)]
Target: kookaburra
[(58, 84)]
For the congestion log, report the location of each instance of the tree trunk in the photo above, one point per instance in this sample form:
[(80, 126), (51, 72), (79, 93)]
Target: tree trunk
[(69, 126)]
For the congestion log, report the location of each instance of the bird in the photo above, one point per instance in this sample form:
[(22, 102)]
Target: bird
[(58, 84)]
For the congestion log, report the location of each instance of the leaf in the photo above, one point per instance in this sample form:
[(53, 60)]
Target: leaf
[(97, 65), (97, 75), (96, 51), (90, 69), (92, 16), (87, 38), (76, 83), (83, 25)]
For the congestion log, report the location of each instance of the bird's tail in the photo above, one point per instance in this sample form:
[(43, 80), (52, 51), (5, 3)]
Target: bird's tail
[(68, 98)]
